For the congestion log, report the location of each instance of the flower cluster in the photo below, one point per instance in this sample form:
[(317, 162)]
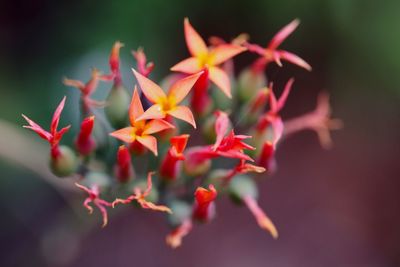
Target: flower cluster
[(178, 132)]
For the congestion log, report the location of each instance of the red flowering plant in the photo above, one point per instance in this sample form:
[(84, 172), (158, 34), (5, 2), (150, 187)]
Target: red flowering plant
[(156, 133)]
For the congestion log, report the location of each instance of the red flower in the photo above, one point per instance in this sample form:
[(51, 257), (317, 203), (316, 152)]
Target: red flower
[(124, 169), (272, 117), (266, 158), (144, 67), (84, 143), (94, 197), (318, 120), (88, 89), (140, 197), (204, 207), (54, 136), (169, 166), (272, 53)]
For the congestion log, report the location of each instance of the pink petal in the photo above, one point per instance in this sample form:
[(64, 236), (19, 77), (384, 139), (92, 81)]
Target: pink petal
[(56, 116), (155, 126), (152, 91), (37, 129), (189, 65), (148, 141), (181, 88), (183, 113), (194, 42), (135, 108), (282, 99), (124, 134), (153, 112), (292, 58), (221, 79), (221, 127), (283, 34), (226, 51)]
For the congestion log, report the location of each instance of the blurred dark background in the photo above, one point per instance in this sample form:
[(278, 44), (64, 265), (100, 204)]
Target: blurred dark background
[(332, 208)]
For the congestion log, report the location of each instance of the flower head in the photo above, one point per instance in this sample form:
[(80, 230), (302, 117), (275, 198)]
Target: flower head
[(124, 168), (272, 54), (167, 104), (140, 196), (144, 67), (203, 57), (141, 130), (94, 197), (54, 136)]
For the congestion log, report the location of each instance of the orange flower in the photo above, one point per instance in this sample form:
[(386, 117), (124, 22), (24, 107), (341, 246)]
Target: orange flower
[(203, 57), (141, 130), (271, 53), (167, 104), (140, 197)]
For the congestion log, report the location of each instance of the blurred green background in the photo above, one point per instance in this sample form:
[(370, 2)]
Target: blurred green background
[(354, 48)]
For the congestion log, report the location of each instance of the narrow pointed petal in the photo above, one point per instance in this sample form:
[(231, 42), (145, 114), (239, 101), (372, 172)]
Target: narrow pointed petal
[(221, 127), (286, 91), (180, 89), (125, 134), (183, 113), (37, 129), (226, 51), (149, 142), (189, 65), (292, 58), (283, 34), (278, 128), (56, 116), (221, 79), (152, 91), (149, 205), (136, 108), (155, 126), (179, 143), (74, 83), (262, 219), (153, 112), (194, 42)]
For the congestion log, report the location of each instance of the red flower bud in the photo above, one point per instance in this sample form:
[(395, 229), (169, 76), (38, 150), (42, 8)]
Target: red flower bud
[(170, 167), (85, 143), (204, 207), (124, 169)]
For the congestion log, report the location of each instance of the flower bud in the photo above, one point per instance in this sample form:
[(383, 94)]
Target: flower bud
[(84, 143), (65, 163), (117, 106), (123, 169), (204, 206), (249, 82)]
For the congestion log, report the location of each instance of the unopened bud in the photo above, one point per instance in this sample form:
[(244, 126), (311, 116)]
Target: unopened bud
[(249, 82), (117, 106), (65, 163)]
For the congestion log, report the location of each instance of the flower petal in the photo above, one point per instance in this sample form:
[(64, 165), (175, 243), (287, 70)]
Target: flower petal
[(224, 52), (292, 58), (194, 42), (221, 79), (152, 91), (153, 112), (221, 127), (183, 113), (124, 134), (56, 117), (155, 126), (135, 108), (189, 65), (181, 88), (283, 34), (37, 129), (149, 142), (286, 91)]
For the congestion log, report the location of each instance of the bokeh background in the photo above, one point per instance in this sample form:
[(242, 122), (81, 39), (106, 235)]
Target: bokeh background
[(333, 208)]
